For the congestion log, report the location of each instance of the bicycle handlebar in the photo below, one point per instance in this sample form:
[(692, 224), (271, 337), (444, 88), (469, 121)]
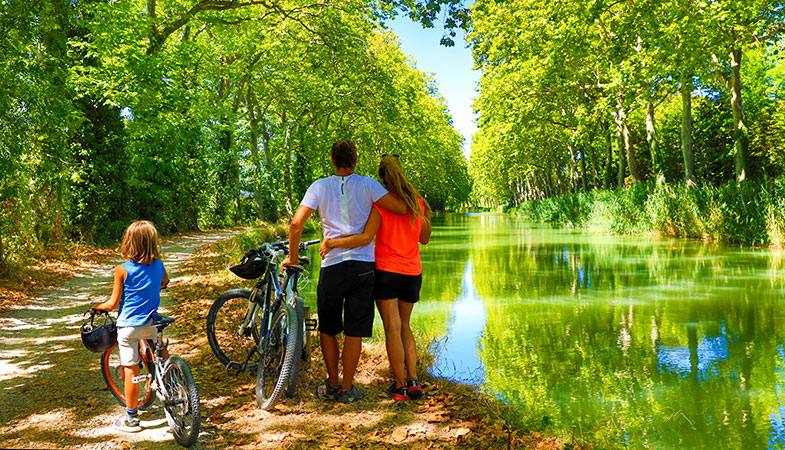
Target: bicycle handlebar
[(284, 245)]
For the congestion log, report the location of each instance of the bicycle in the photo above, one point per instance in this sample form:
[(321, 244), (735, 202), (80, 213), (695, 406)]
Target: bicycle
[(253, 330), (169, 377)]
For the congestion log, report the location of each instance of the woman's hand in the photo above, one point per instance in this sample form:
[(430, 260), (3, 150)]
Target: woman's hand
[(324, 247)]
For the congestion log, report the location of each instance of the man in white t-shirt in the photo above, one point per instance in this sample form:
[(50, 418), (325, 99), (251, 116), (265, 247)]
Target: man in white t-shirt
[(345, 290)]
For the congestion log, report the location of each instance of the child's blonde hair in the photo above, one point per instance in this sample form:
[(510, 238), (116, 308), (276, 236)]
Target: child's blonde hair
[(140, 242), (391, 175)]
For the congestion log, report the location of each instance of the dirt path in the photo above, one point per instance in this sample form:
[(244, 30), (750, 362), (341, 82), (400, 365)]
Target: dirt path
[(52, 394)]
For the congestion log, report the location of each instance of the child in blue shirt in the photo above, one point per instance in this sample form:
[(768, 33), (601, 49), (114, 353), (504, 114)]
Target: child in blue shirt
[(137, 291)]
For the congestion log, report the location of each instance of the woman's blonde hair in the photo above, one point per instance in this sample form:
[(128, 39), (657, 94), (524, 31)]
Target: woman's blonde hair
[(391, 174), (140, 242)]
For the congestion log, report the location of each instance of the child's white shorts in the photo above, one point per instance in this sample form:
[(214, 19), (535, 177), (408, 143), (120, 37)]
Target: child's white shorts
[(128, 341)]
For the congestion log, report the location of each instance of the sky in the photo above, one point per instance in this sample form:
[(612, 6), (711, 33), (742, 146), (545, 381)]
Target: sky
[(451, 67)]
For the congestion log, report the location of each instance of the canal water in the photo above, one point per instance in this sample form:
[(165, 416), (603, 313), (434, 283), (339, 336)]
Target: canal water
[(637, 341)]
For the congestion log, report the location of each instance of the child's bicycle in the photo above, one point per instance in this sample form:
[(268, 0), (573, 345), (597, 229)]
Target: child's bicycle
[(168, 377), (263, 329)]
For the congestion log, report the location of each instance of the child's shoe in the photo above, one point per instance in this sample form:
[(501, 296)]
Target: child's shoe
[(128, 424)]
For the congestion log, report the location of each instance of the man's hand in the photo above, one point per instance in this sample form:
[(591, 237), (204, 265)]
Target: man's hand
[(289, 261), (324, 248)]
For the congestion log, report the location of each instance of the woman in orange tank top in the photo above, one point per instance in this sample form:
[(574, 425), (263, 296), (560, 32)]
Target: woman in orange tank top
[(398, 274)]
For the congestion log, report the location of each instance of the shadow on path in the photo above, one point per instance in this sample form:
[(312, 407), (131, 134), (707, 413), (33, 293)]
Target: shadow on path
[(51, 390)]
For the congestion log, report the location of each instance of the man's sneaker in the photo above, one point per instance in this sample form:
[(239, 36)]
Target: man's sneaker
[(351, 395), (413, 388), (397, 394), (327, 392), (128, 424)]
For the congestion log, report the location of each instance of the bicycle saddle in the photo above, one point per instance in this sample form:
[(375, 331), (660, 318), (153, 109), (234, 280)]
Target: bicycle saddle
[(161, 320)]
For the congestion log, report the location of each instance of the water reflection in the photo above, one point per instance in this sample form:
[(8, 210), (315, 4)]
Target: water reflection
[(650, 343), (466, 325)]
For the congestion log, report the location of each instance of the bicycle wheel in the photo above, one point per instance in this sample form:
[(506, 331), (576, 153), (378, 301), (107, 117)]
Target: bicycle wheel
[(277, 358), (114, 375), (223, 324), (181, 404), (299, 350)]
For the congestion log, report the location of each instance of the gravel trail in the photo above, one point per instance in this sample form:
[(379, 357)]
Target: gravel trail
[(52, 394)]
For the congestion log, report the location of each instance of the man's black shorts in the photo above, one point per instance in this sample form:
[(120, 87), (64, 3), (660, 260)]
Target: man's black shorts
[(391, 285), (344, 299)]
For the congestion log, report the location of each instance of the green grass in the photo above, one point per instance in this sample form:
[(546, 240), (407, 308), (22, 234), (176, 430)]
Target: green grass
[(752, 213)]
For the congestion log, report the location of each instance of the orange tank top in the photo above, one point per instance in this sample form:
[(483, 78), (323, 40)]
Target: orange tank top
[(397, 242)]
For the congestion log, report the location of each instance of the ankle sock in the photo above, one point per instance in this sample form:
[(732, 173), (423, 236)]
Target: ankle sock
[(132, 412)]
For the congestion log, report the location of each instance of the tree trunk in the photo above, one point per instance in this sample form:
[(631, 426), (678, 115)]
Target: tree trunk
[(622, 159), (686, 130), (583, 169), (573, 171), (631, 160), (651, 136), (608, 178), (740, 136), (596, 173), (257, 161), (287, 173), (272, 205)]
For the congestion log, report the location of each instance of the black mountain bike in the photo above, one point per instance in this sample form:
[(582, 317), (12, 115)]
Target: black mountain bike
[(264, 329)]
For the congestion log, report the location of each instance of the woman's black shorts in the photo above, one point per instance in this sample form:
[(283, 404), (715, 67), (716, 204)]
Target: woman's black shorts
[(391, 285)]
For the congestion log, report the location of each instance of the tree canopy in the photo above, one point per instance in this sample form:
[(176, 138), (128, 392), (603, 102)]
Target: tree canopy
[(576, 95), (203, 113)]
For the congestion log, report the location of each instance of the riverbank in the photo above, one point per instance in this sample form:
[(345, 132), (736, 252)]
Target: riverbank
[(750, 214), (449, 415)]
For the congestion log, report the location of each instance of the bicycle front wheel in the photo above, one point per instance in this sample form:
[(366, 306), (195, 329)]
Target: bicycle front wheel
[(114, 375), (277, 358), (181, 404), (229, 345)]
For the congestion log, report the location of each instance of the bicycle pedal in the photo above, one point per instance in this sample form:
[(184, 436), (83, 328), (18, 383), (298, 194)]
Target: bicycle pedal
[(310, 324), (229, 369)]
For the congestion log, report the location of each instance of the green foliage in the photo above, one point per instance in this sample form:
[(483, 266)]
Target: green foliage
[(203, 116), (746, 213), (579, 95)]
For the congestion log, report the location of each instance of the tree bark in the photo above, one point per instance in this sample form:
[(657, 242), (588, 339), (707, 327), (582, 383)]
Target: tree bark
[(686, 130), (651, 136), (608, 178), (632, 162), (740, 135), (257, 163), (573, 171), (596, 171), (622, 159), (583, 169)]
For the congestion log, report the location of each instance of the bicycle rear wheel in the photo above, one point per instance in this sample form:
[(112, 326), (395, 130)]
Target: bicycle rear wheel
[(114, 375), (223, 323), (277, 358), (181, 404), (299, 350)]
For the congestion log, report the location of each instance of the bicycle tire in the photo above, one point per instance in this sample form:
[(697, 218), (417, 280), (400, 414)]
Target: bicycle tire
[(299, 350), (277, 356), (112, 371), (223, 320), (181, 404)]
